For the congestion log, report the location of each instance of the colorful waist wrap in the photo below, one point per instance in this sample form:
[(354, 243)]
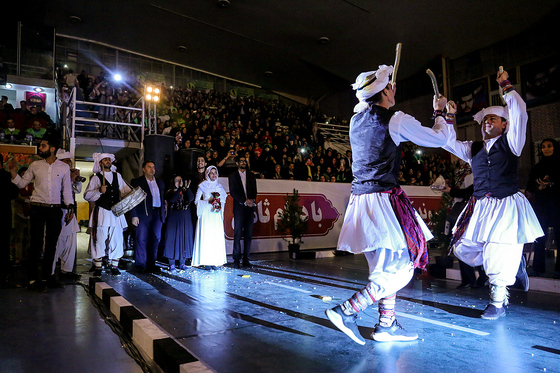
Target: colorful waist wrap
[(406, 215), (463, 222)]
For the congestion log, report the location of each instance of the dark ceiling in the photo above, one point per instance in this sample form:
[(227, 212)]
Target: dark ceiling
[(250, 37)]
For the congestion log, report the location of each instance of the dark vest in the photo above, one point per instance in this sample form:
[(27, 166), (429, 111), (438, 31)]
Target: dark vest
[(113, 194), (495, 173), (376, 157)]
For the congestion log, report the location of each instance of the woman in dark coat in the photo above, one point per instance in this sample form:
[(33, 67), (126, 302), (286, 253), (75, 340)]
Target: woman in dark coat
[(543, 190), (179, 232)]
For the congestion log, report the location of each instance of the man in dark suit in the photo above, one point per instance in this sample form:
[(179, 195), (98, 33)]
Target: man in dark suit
[(243, 189), (148, 217)]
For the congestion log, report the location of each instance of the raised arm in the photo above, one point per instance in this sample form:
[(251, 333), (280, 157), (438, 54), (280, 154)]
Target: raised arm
[(517, 111)]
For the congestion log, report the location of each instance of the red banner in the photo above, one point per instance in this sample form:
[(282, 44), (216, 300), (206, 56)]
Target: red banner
[(321, 214)]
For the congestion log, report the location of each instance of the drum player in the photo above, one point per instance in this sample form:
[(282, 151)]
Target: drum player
[(106, 188)]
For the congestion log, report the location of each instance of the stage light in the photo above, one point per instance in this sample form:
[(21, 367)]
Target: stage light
[(152, 94), (302, 151), (38, 89), (117, 77), (419, 152), (8, 85), (65, 66)]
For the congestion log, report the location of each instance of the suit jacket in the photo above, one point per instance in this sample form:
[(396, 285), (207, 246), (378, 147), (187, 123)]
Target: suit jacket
[(236, 187), (140, 210)]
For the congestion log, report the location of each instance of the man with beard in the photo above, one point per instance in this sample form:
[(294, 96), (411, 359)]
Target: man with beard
[(52, 180), (243, 189), (105, 189)]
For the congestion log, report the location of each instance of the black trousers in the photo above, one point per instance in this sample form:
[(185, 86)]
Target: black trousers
[(46, 223), (242, 227)]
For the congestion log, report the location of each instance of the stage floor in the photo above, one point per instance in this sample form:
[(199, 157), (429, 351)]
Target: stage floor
[(271, 319)]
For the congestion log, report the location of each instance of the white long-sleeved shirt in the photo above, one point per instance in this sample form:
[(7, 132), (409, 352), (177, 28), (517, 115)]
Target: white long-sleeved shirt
[(516, 131), (51, 181), (404, 127)]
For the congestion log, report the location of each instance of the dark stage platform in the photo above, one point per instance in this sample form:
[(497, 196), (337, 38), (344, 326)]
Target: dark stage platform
[(271, 319)]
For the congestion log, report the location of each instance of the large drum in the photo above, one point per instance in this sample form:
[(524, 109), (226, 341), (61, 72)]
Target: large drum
[(130, 201)]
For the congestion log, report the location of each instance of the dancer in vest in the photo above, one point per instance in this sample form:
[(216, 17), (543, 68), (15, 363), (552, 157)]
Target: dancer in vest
[(105, 188), (498, 219), (67, 244), (380, 220)]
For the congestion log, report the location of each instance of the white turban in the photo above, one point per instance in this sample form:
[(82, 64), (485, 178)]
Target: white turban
[(97, 157), (369, 83), (63, 154), (501, 111)]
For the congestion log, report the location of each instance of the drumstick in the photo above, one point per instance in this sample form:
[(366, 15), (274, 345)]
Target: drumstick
[(397, 61)]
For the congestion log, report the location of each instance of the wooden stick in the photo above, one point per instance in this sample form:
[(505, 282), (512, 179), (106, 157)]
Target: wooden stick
[(397, 61)]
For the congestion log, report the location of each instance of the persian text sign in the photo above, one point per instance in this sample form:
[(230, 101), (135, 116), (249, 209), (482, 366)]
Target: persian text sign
[(321, 214), (325, 205)]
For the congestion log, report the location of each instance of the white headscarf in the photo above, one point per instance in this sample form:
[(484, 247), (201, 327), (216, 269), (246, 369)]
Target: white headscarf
[(208, 186), (63, 154), (501, 111), (97, 157), (369, 83)]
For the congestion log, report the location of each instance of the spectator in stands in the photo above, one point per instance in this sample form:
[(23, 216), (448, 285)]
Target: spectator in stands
[(71, 80), (44, 116), (22, 108), (83, 79), (11, 133), (5, 106), (36, 130)]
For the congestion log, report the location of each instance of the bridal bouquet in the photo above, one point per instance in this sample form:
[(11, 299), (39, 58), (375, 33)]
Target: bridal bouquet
[(215, 201)]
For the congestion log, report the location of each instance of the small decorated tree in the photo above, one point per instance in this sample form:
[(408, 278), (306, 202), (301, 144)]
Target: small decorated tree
[(292, 221)]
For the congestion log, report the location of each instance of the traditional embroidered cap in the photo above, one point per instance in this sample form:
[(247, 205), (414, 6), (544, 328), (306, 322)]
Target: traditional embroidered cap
[(369, 83), (501, 111), (63, 154), (97, 157)]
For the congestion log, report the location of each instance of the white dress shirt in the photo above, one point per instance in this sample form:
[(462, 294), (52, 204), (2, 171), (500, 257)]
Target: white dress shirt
[(51, 181), (156, 198)]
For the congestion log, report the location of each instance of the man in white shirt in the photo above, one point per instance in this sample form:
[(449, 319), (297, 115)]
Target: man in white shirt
[(52, 180), (498, 220), (106, 188)]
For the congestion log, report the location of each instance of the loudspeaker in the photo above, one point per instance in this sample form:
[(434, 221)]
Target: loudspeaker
[(185, 161), (159, 149)]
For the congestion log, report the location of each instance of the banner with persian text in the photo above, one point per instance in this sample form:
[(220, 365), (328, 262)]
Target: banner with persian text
[(323, 203)]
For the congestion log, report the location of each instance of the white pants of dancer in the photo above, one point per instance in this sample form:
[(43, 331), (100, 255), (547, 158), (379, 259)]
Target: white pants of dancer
[(66, 248), (109, 242), (500, 261), (389, 271)]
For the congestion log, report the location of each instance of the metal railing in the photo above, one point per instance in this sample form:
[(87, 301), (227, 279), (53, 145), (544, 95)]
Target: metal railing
[(339, 134), (100, 120)]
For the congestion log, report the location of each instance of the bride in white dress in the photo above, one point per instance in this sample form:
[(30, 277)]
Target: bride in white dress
[(209, 241)]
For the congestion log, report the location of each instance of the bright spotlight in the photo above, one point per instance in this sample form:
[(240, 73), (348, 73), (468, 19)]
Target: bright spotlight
[(156, 98), (38, 89), (149, 97), (149, 89), (419, 152), (117, 77), (8, 85), (156, 91)]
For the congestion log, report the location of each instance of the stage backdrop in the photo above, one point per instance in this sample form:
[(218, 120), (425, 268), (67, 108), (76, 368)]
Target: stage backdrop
[(324, 204)]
